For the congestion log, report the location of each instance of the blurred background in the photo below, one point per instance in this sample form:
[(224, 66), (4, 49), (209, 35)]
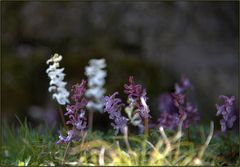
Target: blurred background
[(155, 42)]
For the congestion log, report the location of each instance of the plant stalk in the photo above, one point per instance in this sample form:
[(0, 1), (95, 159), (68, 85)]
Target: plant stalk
[(90, 120), (146, 127), (62, 116), (187, 134), (65, 153)]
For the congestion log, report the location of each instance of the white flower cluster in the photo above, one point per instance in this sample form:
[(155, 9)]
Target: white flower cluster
[(57, 85), (96, 79)]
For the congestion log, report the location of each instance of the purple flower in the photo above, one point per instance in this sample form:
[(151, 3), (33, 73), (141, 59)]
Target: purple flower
[(178, 99), (168, 120), (227, 112), (166, 103), (113, 106), (137, 94), (192, 114), (134, 91), (186, 108), (175, 105), (76, 114), (78, 91), (183, 86), (72, 135)]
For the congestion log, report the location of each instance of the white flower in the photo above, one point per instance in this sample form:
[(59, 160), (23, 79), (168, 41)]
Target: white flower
[(96, 79), (56, 75)]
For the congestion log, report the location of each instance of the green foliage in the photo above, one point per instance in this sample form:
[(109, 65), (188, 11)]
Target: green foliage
[(25, 146), (226, 148)]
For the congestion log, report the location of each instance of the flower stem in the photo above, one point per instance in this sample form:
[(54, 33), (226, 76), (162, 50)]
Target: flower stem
[(65, 153), (62, 116), (187, 134), (146, 127), (90, 120), (204, 147), (126, 139)]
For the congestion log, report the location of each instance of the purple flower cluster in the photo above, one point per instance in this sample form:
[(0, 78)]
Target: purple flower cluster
[(183, 86), (169, 121), (76, 114), (191, 112), (166, 103), (137, 94), (113, 106), (227, 112), (134, 91), (175, 105)]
